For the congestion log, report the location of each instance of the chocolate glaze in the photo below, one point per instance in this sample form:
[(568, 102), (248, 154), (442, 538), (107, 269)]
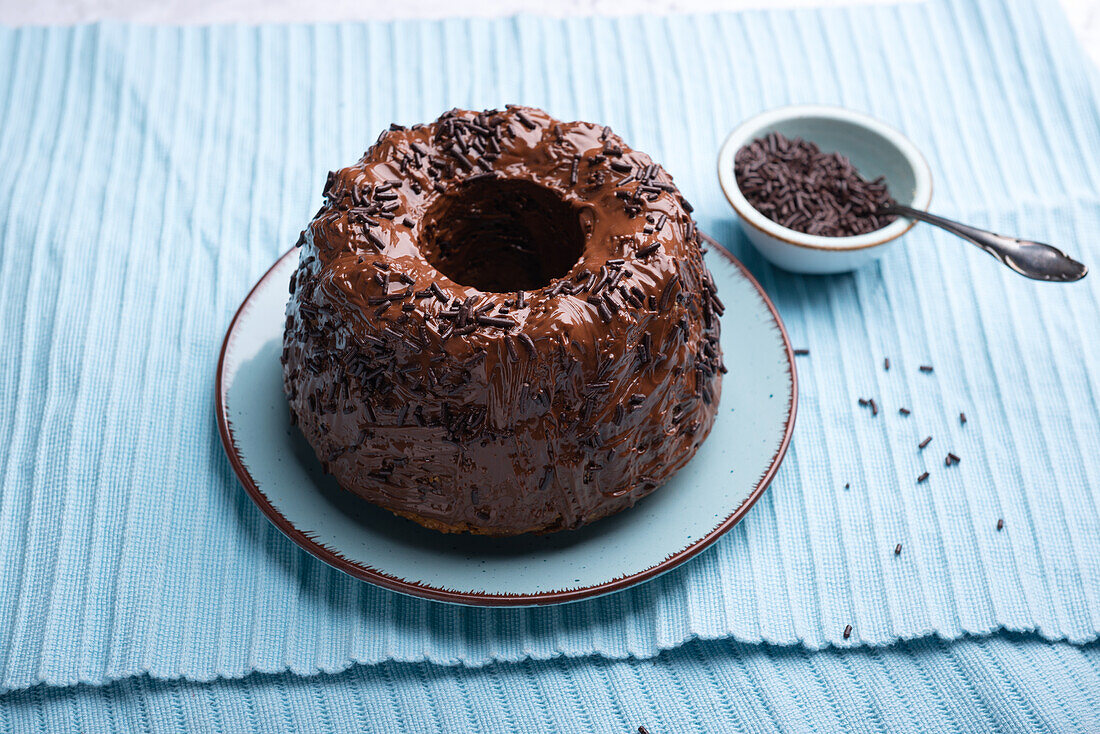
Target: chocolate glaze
[(490, 410)]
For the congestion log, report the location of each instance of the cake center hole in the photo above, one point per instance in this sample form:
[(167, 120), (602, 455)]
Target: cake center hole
[(502, 235)]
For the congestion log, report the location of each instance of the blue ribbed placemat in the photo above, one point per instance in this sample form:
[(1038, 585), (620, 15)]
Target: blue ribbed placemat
[(1004, 683), (149, 176)]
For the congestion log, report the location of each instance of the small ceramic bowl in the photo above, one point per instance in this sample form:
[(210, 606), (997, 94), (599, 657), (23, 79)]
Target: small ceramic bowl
[(873, 148)]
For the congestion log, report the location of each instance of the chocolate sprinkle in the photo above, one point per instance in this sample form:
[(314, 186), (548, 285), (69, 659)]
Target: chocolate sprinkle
[(847, 631), (802, 352), (904, 411), (529, 343), (925, 442), (897, 549), (926, 368), (525, 120), (666, 292), (1000, 524), (793, 183), (922, 477)]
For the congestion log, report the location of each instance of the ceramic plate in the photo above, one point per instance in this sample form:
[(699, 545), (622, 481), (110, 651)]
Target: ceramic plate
[(705, 499)]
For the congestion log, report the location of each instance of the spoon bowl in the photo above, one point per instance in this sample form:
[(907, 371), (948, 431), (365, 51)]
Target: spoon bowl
[(1035, 260)]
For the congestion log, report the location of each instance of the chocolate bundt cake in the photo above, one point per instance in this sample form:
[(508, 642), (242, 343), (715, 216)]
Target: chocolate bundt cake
[(502, 323)]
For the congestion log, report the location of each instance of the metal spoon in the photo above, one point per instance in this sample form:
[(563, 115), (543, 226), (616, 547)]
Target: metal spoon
[(1031, 259)]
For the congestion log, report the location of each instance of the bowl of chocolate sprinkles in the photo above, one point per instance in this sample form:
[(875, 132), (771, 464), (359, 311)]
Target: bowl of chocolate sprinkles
[(807, 183)]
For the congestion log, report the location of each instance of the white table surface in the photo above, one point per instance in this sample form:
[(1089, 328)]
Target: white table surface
[(39, 12), (1084, 14)]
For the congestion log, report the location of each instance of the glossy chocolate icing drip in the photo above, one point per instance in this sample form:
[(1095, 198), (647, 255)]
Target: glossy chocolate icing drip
[(502, 323)]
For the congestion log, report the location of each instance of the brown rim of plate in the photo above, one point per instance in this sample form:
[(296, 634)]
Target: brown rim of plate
[(782, 237), (413, 588)]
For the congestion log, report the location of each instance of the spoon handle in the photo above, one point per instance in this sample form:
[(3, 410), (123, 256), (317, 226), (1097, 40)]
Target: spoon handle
[(1031, 259)]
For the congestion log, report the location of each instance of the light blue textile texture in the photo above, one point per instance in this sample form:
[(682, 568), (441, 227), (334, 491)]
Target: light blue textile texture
[(1004, 683), (148, 176)]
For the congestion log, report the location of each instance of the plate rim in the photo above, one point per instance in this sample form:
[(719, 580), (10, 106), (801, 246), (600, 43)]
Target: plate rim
[(482, 599)]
